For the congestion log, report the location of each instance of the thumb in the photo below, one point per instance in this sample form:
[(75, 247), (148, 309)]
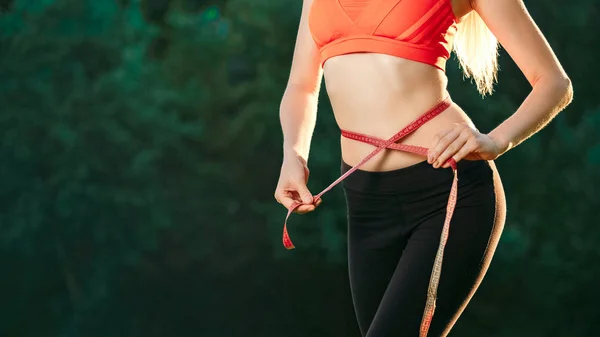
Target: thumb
[(305, 194)]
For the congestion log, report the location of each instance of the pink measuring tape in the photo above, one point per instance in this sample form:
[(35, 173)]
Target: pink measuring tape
[(391, 144)]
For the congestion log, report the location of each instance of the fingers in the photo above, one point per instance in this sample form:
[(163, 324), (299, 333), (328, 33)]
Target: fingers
[(286, 199), (302, 209), (292, 197), (440, 143), (451, 150), (305, 195), (456, 143), (469, 147), (306, 199)]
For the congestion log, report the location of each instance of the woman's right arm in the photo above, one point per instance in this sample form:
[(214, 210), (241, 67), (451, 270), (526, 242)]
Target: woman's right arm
[(298, 114), (298, 110)]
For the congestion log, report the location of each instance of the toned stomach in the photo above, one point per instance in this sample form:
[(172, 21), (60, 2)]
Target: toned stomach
[(378, 95)]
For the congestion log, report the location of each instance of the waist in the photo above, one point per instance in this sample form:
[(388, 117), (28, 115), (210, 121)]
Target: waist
[(353, 151), (378, 95)]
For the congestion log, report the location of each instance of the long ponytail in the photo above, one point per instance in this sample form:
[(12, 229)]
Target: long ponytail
[(477, 51)]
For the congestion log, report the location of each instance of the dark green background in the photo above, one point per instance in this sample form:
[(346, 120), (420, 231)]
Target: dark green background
[(140, 147)]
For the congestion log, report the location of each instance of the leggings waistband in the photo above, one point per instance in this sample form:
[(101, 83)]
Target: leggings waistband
[(417, 177)]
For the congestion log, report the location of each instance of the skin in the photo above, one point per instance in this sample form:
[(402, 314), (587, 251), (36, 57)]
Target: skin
[(379, 94)]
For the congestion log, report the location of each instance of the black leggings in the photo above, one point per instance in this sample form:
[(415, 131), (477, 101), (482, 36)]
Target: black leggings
[(394, 224)]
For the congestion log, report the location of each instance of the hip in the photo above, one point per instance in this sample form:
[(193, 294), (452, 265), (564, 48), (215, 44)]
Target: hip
[(420, 191)]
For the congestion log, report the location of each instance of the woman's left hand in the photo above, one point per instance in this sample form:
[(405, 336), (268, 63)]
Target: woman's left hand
[(462, 142)]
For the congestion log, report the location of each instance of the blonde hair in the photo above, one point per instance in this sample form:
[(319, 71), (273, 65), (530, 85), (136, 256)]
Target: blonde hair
[(477, 51)]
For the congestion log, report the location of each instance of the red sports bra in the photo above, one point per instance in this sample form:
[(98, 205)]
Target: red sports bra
[(418, 30)]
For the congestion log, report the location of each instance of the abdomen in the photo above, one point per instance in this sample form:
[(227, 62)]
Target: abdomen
[(378, 95)]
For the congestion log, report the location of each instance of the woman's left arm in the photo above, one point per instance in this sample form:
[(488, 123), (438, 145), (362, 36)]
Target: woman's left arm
[(552, 91)]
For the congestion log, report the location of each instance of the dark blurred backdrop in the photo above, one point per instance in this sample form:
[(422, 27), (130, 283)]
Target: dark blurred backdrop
[(139, 151)]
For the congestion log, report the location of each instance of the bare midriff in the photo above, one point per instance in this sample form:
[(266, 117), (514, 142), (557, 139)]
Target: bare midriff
[(377, 95)]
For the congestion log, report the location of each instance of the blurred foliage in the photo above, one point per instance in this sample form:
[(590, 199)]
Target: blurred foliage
[(139, 150)]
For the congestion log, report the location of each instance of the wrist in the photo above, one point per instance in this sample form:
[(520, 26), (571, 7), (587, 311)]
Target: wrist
[(293, 152), (503, 144)]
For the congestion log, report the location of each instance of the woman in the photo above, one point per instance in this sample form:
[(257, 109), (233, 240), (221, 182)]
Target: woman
[(404, 143)]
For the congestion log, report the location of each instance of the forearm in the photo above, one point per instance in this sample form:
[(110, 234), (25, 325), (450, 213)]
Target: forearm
[(548, 97), (298, 115)]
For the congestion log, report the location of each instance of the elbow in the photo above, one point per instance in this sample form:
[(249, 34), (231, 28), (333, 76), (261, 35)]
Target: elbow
[(567, 88), (561, 88), (557, 84)]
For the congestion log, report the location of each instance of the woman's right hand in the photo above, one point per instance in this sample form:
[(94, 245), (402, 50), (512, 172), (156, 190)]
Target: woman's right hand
[(291, 188)]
